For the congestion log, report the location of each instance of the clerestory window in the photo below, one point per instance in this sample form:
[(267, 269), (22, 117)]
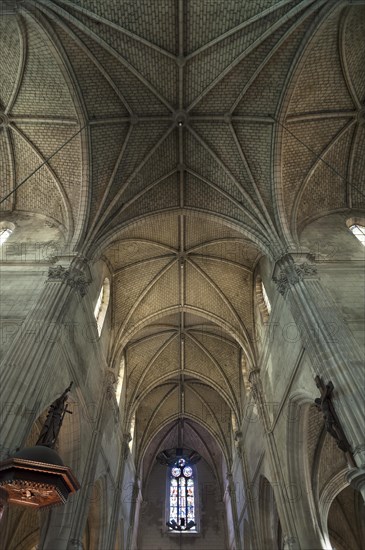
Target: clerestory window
[(102, 304), (262, 299), (359, 232), (182, 497), (266, 298), (5, 233)]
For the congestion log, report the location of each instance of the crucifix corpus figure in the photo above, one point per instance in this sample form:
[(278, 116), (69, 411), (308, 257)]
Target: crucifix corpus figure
[(53, 423), (325, 405)]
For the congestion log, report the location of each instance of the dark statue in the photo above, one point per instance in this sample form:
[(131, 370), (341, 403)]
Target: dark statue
[(332, 424), (53, 423)]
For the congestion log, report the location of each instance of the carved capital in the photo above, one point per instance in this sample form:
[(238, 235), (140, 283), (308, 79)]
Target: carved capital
[(290, 543), (255, 383), (109, 381), (72, 276), (356, 478), (291, 269), (75, 544)]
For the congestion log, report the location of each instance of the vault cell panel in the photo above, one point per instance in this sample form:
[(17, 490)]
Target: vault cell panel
[(40, 193), (66, 164), (99, 97), (167, 362), (297, 158), (358, 175), (129, 251), (197, 232), (164, 195), (5, 171), (196, 360), (354, 46), (139, 356), (43, 90), (200, 195), (156, 23), (240, 252), (234, 282), (106, 145), (162, 228), (10, 57), (139, 97), (200, 293), (130, 284), (263, 95), (321, 83), (163, 294), (143, 138), (159, 70), (325, 190)]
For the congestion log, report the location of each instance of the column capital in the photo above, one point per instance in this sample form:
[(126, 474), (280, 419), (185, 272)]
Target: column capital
[(290, 543), (356, 478), (292, 268), (255, 383), (75, 273), (75, 544), (109, 381)]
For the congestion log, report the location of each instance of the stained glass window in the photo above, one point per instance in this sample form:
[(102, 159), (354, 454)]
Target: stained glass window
[(182, 497)]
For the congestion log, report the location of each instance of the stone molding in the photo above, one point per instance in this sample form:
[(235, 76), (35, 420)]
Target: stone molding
[(291, 269)]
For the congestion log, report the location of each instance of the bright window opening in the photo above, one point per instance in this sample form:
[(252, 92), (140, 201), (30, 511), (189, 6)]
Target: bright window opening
[(359, 232), (118, 392), (4, 234), (132, 430), (102, 304), (266, 298), (182, 516)]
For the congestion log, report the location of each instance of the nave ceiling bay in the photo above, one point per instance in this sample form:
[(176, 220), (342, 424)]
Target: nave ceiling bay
[(189, 148), (226, 117)]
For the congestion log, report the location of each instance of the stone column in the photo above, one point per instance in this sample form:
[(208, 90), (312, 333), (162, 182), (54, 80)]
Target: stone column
[(118, 493), (282, 498), (135, 497), (233, 501), (248, 493), (25, 371), (334, 352), (67, 535)]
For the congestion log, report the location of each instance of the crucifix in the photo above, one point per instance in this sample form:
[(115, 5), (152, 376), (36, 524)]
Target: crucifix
[(331, 421)]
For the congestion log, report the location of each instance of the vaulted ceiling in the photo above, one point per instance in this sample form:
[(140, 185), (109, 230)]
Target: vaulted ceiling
[(188, 138)]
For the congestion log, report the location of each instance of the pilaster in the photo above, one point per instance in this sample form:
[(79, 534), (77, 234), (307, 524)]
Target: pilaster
[(25, 369), (70, 530), (233, 500), (333, 350), (283, 500), (117, 493)]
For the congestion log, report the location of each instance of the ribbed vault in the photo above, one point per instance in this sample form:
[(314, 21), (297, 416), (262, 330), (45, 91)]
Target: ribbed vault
[(199, 130)]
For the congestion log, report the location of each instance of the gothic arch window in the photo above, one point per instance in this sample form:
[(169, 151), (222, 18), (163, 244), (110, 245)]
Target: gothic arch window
[(359, 232), (102, 304), (132, 433), (262, 299), (118, 391), (6, 230), (182, 513)]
